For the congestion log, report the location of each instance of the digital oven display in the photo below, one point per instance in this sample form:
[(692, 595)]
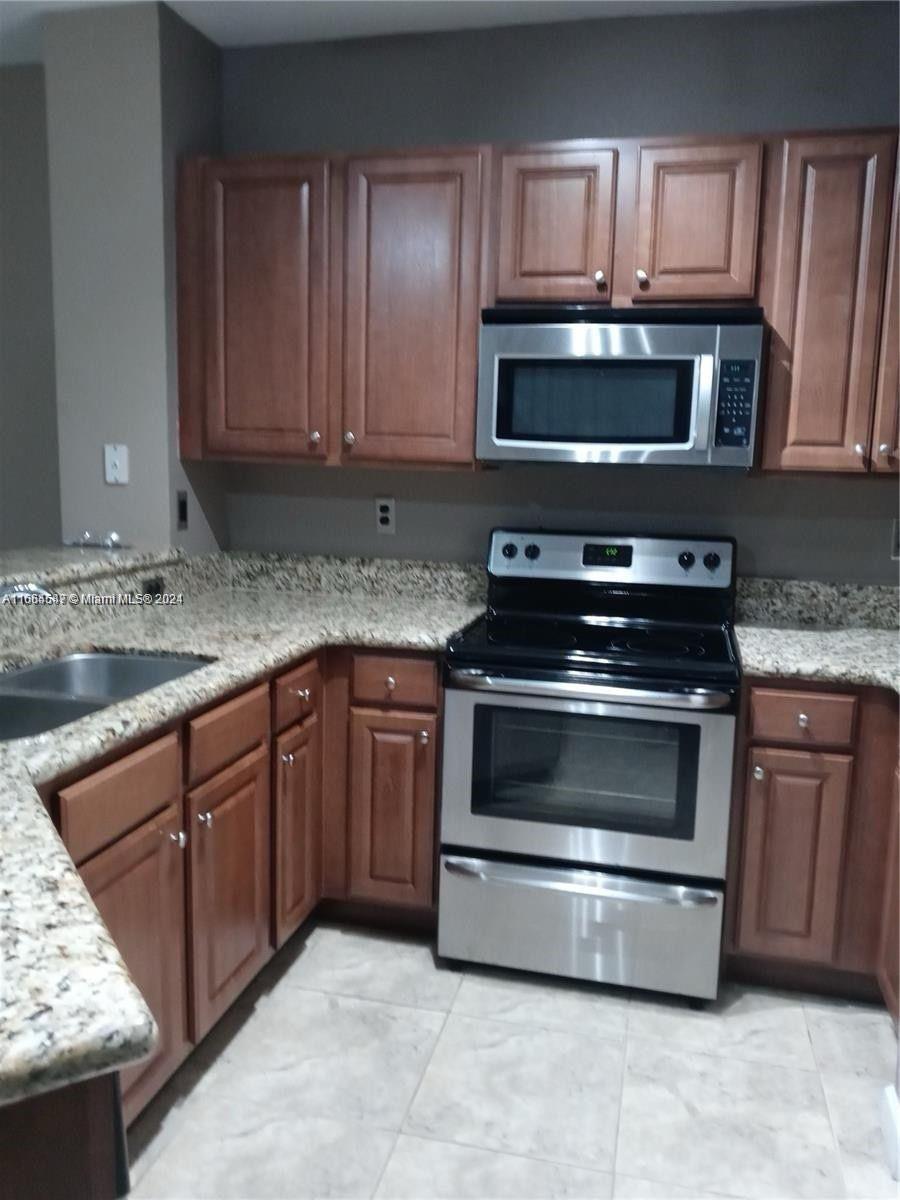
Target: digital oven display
[(600, 554)]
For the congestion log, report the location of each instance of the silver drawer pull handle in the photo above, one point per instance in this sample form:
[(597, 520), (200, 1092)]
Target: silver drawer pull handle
[(803, 720), (205, 819), (390, 683), (349, 438), (758, 773), (860, 449), (423, 737), (302, 693), (642, 277), (179, 838), (315, 437), (600, 280), (288, 758)]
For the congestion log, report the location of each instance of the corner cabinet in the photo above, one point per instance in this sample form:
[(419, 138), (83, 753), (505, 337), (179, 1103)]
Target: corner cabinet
[(827, 222), (412, 280), (297, 796)]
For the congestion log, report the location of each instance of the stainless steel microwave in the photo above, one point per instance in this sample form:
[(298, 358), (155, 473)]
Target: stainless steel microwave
[(578, 384)]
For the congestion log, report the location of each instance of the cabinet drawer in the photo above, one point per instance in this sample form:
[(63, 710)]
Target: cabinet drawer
[(297, 694), (224, 734), (802, 718), (391, 679), (98, 810)]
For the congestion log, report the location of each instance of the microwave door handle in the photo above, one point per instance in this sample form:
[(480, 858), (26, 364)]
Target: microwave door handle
[(705, 408), (692, 698)]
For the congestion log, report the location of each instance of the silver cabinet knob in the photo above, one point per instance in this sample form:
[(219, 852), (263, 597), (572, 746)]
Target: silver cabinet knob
[(302, 693), (315, 437), (179, 838), (600, 280), (884, 448), (803, 720), (758, 773), (423, 737), (205, 819), (859, 449), (350, 437), (288, 758), (390, 683), (642, 277)]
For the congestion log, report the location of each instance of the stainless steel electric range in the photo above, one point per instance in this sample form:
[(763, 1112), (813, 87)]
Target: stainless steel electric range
[(589, 730)]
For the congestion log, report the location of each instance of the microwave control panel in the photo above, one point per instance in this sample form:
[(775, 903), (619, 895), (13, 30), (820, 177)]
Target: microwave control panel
[(734, 407)]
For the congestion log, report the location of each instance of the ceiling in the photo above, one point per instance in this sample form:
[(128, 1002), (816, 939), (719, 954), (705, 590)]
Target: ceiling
[(268, 22)]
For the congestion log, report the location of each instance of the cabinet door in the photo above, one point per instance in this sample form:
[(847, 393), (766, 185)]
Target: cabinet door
[(697, 220), (794, 834), (230, 892), (826, 252), (886, 429), (266, 307), (413, 252), (138, 886), (556, 217), (298, 789), (889, 947), (392, 796)]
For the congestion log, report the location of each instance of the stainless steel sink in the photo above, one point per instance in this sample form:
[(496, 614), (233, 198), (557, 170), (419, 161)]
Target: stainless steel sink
[(99, 676), (24, 716)]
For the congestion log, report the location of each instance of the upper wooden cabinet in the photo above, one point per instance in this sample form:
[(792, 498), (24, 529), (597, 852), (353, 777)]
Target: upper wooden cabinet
[(260, 229), (826, 231), (411, 302), (696, 222), (555, 222), (886, 428)]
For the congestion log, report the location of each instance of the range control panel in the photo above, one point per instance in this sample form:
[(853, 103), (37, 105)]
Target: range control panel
[(611, 558), (734, 406)]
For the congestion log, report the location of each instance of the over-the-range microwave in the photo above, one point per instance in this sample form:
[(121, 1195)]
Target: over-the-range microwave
[(581, 384)]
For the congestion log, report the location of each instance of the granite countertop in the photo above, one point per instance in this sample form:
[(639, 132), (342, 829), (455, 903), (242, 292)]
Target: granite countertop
[(59, 565), (68, 1008)]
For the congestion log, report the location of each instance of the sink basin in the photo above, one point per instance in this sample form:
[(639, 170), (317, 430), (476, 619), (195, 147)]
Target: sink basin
[(24, 716), (98, 677)]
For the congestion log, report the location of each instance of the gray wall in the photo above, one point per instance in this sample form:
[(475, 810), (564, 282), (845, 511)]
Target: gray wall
[(29, 470), (739, 72)]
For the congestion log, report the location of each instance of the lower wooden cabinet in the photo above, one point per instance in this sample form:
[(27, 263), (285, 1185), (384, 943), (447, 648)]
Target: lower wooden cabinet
[(297, 814), (889, 940), (138, 886), (230, 830), (392, 801), (794, 837)]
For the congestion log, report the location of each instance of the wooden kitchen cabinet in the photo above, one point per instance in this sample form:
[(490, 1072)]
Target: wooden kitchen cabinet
[(555, 222), (826, 222), (230, 856), (888, 968), (253, 256), (411, 304), (696, 222), (886, 427), (297, 814), (391, 803), (794, 837), (138, 886)]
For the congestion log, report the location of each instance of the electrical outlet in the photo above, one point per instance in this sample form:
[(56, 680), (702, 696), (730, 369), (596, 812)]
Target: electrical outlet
[(895, 540), (115, 462), (385, 515)]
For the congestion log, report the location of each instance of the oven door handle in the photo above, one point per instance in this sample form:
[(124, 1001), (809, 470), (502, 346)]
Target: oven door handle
[(583, 883), (482, 681)]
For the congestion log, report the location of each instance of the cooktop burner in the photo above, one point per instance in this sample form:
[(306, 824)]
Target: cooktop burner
[(677, 646)]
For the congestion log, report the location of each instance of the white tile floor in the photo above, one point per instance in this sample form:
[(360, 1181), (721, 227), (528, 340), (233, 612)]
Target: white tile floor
[(356, 1067)]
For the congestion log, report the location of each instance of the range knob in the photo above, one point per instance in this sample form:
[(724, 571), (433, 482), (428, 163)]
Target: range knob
[(711, 560), (510, 550), (686, 559), (532, 551)]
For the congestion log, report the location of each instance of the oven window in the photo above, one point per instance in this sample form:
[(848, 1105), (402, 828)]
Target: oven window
[(603, 400), (600, 772)]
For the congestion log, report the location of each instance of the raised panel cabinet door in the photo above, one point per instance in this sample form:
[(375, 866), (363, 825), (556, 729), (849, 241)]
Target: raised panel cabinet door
[(889, 942), (556, 221), (138, 886), (265, 271), (412, 278), (794, 835), (230, 828), (697, 222), (886, 428), (298, 791), (392, 798), (826, 276)]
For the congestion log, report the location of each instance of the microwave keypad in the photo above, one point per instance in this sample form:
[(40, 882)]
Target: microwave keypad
[(734, 409)]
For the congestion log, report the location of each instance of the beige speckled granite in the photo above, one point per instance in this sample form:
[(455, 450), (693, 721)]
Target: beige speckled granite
[(804, 603), (842, 656), (56, 566)]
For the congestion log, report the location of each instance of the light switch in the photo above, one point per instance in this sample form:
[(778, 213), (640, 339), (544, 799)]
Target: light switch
[(115, 462)]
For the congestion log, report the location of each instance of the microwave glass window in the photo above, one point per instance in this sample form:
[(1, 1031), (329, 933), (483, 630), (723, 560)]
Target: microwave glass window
[(624, 401), (597, 772)]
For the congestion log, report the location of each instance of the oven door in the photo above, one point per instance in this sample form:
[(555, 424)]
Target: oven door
[(596, 393), (641, 780)]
